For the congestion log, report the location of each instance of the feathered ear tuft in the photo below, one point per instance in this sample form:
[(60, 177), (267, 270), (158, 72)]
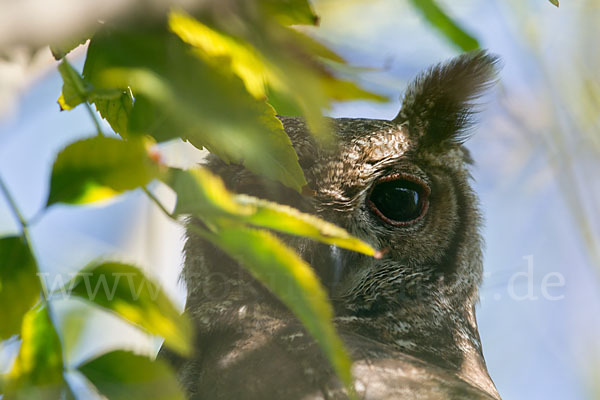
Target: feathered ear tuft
[(438, 104)]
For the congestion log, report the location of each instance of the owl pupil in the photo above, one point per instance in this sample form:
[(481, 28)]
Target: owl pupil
[(397, 201)]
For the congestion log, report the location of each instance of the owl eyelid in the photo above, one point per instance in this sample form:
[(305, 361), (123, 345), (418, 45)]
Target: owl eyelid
[(403, 176)]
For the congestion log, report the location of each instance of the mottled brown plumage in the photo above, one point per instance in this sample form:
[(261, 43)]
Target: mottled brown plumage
[(407, 318)]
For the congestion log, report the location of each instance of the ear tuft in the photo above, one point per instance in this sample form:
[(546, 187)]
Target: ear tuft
[(438, 105)]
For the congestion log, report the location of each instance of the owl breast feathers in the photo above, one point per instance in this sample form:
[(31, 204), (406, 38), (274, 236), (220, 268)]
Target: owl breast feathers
[(408, 318)]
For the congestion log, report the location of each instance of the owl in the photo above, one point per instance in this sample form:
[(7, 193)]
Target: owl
[(408, 318)]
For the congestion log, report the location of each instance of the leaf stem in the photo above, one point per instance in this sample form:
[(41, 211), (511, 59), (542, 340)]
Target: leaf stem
[(94, 118), (15, 209), (201, 232), (24, 229), (156, 201)]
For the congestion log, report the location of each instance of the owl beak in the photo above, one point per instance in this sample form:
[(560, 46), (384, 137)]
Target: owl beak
[(337, 263), (329, 263)]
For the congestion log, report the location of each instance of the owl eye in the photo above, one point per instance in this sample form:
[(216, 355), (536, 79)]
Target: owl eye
[(399, 201)]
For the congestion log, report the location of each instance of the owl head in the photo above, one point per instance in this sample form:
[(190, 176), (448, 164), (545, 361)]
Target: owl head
[(402, 185)]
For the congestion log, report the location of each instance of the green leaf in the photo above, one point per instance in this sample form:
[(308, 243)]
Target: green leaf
[(19, 285), (74, 90), (283, 103), (290, 12), (204, 195), (291, 280), (116, 111), (555, 2), (38, 369), (443, 23), (98, 168), (66, 46), (301, 78), (259, 68), (123, 375), (286, 61), (261, 146), (179, 95), (113, 105), (126, 291)]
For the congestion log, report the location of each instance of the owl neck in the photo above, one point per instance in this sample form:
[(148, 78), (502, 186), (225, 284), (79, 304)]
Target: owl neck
[(435, 330)]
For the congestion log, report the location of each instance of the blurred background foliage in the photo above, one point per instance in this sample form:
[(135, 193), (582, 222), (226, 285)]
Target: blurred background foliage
[(211, 75)]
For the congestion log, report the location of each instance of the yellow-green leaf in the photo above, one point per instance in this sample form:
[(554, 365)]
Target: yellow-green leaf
[(554, 2), (38, 369), (98, 168), (293, 281), (19, 285), (126, 291), (204, 195), (121, 375), (224, 50), (289, 220), (201, 193), (346, 90), (74, 90)]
